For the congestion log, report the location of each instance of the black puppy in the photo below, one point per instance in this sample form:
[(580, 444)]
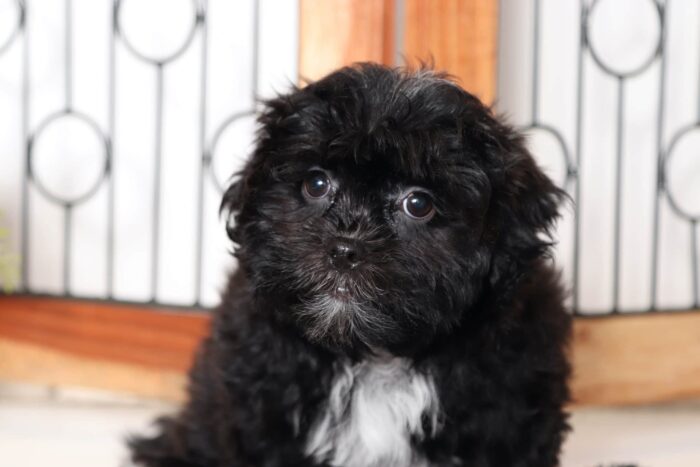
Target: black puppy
[(394, 304)]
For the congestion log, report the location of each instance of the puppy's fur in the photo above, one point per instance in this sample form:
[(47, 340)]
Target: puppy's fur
[(442, 344)]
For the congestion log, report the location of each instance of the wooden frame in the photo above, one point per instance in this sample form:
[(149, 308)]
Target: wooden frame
[(146, 352), (643, 358), (617, 360), (141, 351)]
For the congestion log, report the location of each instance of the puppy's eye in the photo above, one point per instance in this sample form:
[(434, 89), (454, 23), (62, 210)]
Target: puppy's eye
[(418, 205), (316, 184)]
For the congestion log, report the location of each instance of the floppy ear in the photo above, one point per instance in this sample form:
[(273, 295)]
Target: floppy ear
[(529, 196), (275, 121), (232, 203), (524, 208)]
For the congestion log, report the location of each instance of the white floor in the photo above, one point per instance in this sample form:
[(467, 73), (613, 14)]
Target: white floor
[(79, 428), (658, 436)]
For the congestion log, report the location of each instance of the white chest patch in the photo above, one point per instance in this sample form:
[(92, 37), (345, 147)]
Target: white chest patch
[(373, 410)]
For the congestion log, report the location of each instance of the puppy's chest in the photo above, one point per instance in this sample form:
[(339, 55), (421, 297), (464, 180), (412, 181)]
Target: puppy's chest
[(373, 412)]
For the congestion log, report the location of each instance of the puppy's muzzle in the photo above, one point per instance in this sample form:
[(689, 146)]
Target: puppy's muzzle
[(345, 253)]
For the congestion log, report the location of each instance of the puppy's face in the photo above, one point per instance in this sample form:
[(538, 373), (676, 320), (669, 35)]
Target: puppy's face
[(371, 211)]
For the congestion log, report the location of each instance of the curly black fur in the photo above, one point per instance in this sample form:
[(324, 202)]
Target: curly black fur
[(468, 296)]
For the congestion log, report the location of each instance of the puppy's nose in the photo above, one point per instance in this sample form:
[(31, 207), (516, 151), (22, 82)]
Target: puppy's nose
[(345, 253)]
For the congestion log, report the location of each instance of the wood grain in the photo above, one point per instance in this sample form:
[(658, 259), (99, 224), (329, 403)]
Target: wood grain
[(617, 360), (146, 337), (459, 37), (636, 359), (335, 33), (38, 364)]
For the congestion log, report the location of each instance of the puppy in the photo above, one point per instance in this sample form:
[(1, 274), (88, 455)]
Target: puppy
[(394, 303)]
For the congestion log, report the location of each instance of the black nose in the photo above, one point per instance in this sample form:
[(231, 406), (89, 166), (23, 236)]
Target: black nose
[(345, 253)]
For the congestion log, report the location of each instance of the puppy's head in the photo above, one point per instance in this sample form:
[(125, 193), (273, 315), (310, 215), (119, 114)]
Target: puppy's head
[(381, 205)]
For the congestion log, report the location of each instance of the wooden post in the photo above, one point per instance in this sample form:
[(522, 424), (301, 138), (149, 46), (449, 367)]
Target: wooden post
[(335, 33), (458, 36)]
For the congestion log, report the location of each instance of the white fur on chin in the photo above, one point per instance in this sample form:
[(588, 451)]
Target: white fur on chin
[(339, 319), (374, 409)]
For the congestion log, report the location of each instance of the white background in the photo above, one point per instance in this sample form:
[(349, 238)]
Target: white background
[(68, 157), (625, 33)]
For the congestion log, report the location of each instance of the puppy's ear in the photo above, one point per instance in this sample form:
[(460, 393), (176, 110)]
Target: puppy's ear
[(525, 206), (232, 203), (529, 196), (277, 120)]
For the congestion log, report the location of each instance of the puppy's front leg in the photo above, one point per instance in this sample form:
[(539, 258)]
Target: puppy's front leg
[(248, 389)]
